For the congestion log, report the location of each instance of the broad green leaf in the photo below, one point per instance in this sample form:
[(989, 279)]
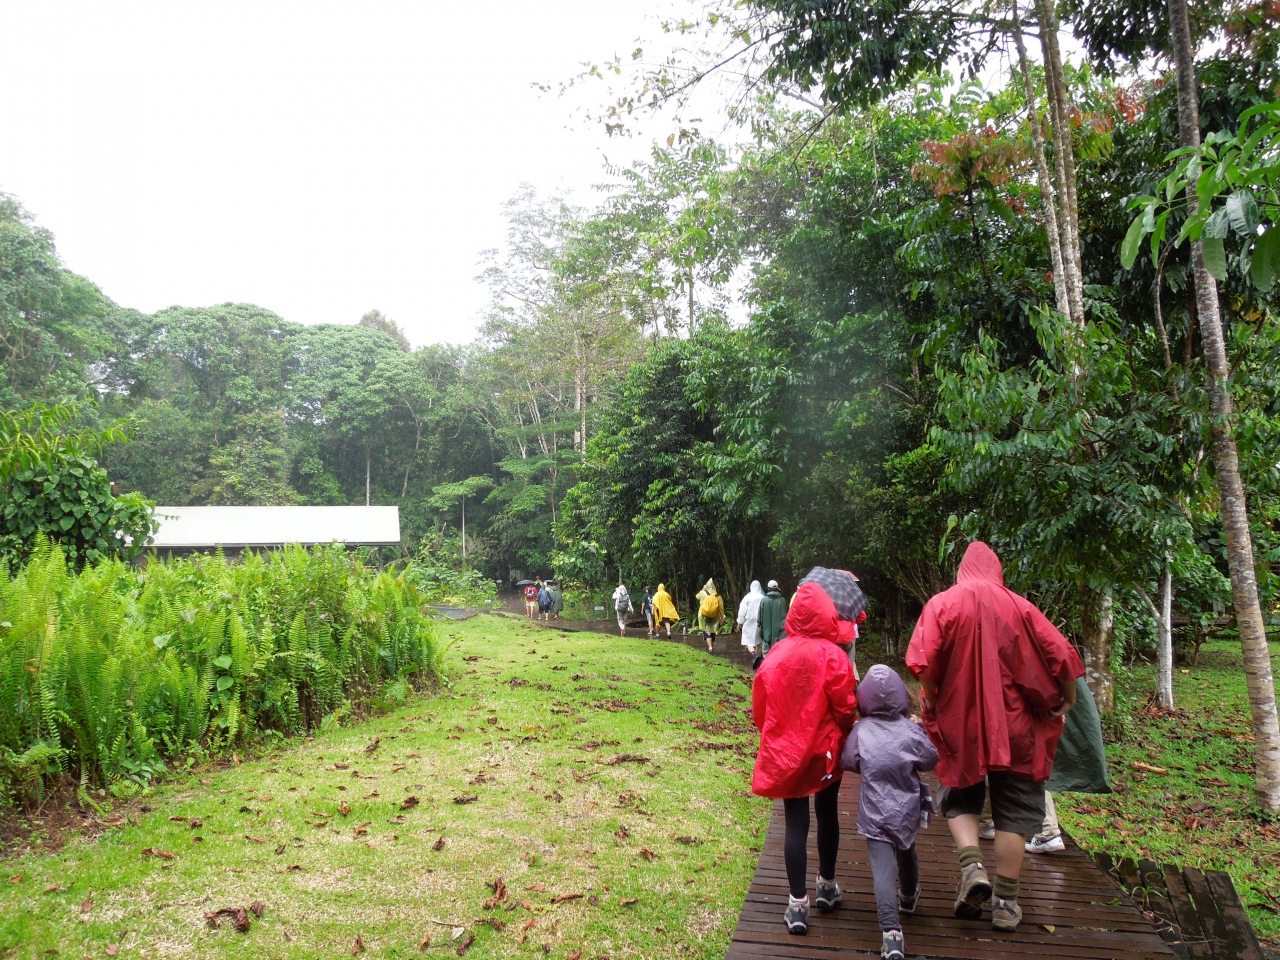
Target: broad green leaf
[(224, 662), (162, 641), (1266, 260), (1215, 257), (225, 683), (1132, 242), (1242, 213)]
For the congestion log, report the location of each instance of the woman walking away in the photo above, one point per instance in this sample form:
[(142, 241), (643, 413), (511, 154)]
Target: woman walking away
[(622, 606), (646, 608), (710, 612), (557, 599), (890, 751), (544, 602), (748, 621), (664, 610), (802, 702), (531, 600), (771, 616)]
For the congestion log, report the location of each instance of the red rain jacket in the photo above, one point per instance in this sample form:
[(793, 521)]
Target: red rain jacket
[(996, 662), (803, 702)]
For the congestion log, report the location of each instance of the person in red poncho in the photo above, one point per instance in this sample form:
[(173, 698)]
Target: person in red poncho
[(803, 703), (996, 680)]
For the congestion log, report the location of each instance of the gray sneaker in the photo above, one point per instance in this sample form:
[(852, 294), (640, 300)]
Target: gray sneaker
[(891, 946), (797, 917), (1005, 915), (974, 891), (828, 895)]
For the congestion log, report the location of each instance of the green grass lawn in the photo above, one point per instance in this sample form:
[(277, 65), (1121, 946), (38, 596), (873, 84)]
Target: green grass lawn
[(1200, 812), (602, 785)]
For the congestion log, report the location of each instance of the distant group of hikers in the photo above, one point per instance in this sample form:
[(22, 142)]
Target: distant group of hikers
[(542, 599)]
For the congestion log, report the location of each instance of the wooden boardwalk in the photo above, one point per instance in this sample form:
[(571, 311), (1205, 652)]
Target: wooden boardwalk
[(1072, 909)]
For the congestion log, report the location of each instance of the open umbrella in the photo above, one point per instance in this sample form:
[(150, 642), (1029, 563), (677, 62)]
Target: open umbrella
[(842, 587), (524, 583)]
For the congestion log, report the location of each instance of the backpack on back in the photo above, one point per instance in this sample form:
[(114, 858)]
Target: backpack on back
[(711, 608)]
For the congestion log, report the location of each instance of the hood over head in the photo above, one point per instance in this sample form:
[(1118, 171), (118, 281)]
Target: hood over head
[(980, 563), (813, 615), (709, 586), (883, 695), (662, 588), (756, 588)]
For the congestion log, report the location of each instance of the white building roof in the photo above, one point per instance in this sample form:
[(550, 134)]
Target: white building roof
[(196, 527)]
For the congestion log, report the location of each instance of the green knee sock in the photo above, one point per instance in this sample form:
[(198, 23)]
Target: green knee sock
[(1007, 887), (970, 855)]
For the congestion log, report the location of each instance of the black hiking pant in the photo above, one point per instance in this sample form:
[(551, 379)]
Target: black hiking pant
[(794, 848)]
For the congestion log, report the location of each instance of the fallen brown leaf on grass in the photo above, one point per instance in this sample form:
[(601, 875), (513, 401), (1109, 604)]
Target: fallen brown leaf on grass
[(626, 758), (408, 803), (239, 915), (256, 908), (359, 831), (499, 894), (465, 799), (371, 796), (16, 878), (566, 896), (157, 852), (88, 903), (279, 849), (358, 945), (342, 766), (426, 942), (622, 833), (317, 813), (113, 949), (377, 741), (492, 922), (438, 845), (344, 808), (536, 887), (293, 866), (465, 945), (688, 841), (52, 888), (1147, 768), (526, 904), (593, 900), (525, 928), (576, 955), (254, 839), (648, 854), (196, 823), (627, 901)]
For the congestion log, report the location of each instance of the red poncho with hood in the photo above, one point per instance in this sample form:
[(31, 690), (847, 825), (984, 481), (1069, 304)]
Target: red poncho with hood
[(803, 702), (996, 662)]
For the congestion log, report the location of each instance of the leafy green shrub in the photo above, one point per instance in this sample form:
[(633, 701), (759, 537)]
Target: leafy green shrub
[(111, 673), (439, 579)]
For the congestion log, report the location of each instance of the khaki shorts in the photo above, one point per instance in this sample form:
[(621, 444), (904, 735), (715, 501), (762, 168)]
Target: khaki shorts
[(1017, 804)]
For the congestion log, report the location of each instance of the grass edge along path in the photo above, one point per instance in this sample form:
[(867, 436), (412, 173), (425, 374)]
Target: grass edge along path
[(572, 796)]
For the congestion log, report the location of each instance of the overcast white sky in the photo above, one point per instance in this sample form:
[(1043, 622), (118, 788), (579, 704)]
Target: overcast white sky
[(318, 159)]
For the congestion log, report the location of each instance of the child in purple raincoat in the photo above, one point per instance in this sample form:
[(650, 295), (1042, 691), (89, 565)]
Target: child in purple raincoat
[(890, 751)]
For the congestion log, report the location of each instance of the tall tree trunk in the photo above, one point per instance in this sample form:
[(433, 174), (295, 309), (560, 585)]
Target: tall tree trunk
[(1064, 159), (1231, 492), (417, 443), (464, 530), (1048, 195), (1163, 616), (368, 467), (1098, 629)]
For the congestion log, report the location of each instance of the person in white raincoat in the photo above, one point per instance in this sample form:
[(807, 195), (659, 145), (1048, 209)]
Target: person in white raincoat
[(748, 623)]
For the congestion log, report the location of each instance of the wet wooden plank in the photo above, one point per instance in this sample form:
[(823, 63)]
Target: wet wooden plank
[(1241, 941), (1198, 946)]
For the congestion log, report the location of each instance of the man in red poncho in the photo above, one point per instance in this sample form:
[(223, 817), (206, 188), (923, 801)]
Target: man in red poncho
[(996, 680)]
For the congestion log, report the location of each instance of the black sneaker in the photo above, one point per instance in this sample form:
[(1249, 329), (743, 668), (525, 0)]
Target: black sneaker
[(891, 946), (755, 664), (907, 905), (828, 895), (797, 917)]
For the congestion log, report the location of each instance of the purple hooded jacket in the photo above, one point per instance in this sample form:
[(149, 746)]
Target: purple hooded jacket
[(889, 751)]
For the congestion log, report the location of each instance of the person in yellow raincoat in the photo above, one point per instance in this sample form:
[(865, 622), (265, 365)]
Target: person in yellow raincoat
[(664, 610), (710, 612)]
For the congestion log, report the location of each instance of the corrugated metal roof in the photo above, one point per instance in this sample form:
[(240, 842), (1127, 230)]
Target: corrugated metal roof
[(194, 527)]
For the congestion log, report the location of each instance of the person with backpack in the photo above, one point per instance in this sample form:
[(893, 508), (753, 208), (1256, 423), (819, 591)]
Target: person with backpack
[(771, 616), (622, 606), (646, 608), (890, 751), (531, 600), (748, 622), (544, 601), (557, 599), (710, 612)]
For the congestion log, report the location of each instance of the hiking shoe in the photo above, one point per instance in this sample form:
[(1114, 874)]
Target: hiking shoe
[(907, 905), (891, 945), (987, 831), (974, 891), (828, 895), (1005, 915), (797, 917), (1052, 845), (755, 664)]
